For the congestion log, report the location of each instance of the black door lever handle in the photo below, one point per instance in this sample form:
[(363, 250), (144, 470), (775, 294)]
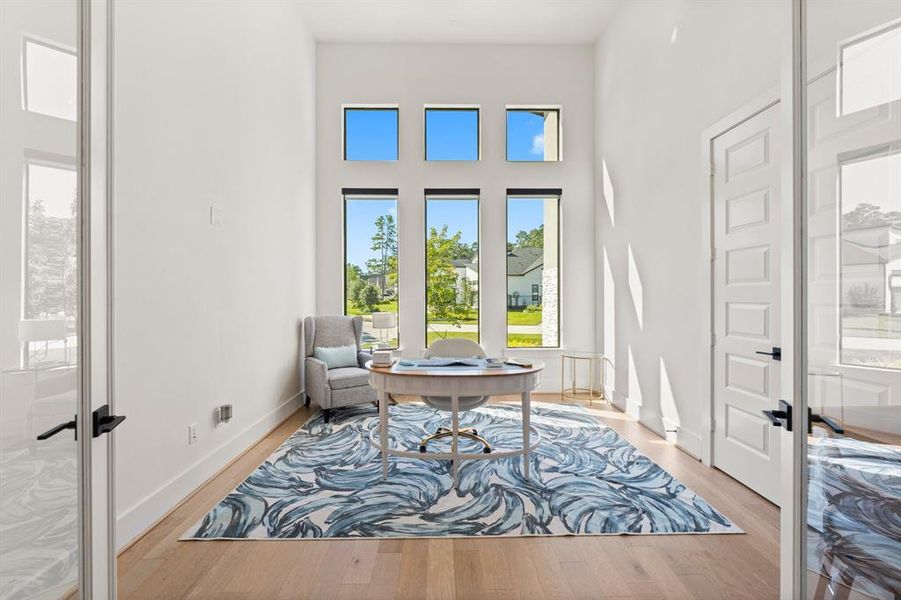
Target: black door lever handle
[(776, 353), (61, 427), (835, 427)]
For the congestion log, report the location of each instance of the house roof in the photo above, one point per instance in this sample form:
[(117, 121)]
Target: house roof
[(462, 262), (522, 260)]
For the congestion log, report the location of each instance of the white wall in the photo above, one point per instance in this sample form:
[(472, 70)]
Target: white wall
[(492, 77), (665, 72), (215, 106)]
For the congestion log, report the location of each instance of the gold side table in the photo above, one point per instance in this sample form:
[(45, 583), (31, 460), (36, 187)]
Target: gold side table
[(576, 393)]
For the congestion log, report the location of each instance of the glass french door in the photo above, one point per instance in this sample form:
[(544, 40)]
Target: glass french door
[(55, 534), (849, 470)]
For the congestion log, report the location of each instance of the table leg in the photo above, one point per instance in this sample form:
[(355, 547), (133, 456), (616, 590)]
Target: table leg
[(572, 374), (590, 382), (526, 413), (455, 430), (383, 430)]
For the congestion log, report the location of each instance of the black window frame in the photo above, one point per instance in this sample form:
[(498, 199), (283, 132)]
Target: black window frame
[(366, 195), (536, 193), (460, 194), (372, 107)]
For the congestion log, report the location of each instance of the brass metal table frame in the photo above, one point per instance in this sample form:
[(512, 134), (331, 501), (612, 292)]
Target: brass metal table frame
[(581, 393)]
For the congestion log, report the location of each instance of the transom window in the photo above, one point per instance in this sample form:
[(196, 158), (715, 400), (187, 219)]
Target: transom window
[(370, 133), (452, 133), (50, 80), (533, 134)]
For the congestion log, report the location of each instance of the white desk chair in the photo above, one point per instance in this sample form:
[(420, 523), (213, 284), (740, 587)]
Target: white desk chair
[(455, 348)]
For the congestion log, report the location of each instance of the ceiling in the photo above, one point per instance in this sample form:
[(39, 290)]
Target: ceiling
[(458, 21)]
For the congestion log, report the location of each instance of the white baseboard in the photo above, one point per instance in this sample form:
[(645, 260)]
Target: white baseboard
[(688, 441), (135, 520)]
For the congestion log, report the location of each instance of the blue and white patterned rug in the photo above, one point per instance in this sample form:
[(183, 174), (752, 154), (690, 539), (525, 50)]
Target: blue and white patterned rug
[(325, 482)]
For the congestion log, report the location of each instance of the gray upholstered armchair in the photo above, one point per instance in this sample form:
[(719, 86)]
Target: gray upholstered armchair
[(331, 388)]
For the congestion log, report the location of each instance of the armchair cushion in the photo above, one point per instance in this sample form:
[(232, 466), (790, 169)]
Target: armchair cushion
[(336, 357), (347, 377)]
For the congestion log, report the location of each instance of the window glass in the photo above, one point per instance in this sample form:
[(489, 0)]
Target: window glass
[(871, 261), (452, 268), (51, 76), (533, 278), (452, 134), (533, 135), (370, 134), (370, 268)]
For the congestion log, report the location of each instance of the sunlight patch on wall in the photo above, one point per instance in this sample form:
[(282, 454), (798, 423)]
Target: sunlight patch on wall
[(636, 289), (608, 191), (634, 402), (669, 410), (609, 319)]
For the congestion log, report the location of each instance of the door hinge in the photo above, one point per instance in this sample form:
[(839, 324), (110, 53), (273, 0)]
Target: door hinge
[(712, 254), (713, 339)]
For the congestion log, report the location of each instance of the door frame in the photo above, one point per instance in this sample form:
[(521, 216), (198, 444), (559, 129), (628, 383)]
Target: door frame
[(762, 103), (96, 485)]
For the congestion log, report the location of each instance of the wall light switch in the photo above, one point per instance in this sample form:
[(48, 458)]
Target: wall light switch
[(216, 217)]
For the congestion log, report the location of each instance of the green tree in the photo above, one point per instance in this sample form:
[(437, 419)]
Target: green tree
[(366, 296), (534, 238), (442, 302), (384, 243)]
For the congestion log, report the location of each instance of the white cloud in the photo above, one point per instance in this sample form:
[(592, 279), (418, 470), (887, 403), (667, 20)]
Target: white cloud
[(538, 144)]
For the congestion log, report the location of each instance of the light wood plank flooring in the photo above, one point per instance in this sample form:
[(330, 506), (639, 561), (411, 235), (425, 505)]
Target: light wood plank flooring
[(658, 567)]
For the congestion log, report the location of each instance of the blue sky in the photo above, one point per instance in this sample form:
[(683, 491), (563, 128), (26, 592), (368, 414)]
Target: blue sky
[(452, 134), (525, 135), (361, 215), (459, 215), (523, 214), (371, 134)]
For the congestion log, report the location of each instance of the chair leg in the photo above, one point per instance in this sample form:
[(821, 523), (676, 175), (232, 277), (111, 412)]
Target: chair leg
[(467, 432), (326, 414), (306, 399)]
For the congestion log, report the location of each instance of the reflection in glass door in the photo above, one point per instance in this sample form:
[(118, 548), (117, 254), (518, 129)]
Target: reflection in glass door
[(853, 311), (38, 299)]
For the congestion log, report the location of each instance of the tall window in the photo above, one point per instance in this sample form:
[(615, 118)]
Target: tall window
[(452, 264), (533, 134), (50, 80), (533, 273), (370, 133), (451, 133), (370, 266), (871, 260), (51, 263)]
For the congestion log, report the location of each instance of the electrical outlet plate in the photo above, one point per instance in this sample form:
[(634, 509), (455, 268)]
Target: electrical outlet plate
[(192, 433)]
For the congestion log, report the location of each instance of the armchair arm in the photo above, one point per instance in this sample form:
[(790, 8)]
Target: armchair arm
[(363, 357), (317, 387)]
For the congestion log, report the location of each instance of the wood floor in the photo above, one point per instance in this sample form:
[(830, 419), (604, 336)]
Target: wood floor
[(657, 566)]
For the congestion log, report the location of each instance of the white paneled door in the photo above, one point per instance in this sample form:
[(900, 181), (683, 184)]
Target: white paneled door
[(746, 327)]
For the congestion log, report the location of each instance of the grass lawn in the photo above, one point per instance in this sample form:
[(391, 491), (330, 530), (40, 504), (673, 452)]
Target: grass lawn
[(522, 317), (388, 306), (523, 340), (431, 336), (472, 318)]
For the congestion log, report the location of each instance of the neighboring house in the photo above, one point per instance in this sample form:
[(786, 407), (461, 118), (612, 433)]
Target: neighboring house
[(467, 271), (525, 267), (871, 268), (379, 280)]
